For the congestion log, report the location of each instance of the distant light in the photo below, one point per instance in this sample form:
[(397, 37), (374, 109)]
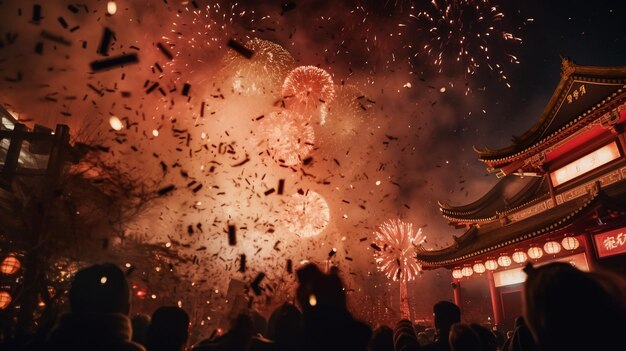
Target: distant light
[(457, 274), (378, 182), (103, 280), (155, 132), (504, 261), (552, 247), (168, 244), (312, 300), (535, 252), (467, 271), (111, 8), (519, 257), (153, 296), (442, 90), (180, 304), (116, 123), (127, 265)]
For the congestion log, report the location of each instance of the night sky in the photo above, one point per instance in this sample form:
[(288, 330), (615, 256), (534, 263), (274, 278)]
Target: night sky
[(397, 117)]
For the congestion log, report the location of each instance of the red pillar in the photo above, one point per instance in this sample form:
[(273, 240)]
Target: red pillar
[(496, 303), (589, 252), (456, 286)]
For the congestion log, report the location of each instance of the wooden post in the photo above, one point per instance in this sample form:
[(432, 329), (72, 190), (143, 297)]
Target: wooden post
[(496, 303), (13, 155), (590, 254), (456, 286)]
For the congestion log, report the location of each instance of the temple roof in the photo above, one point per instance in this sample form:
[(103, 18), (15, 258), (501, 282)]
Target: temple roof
[(581, 91), (509, 193), (479, 241)]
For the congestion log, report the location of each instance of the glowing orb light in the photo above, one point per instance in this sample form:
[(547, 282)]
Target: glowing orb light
[(111, 8), (457, 274), (396, 257), (116, 123), (287, 137), (266, 70), (306, 215), (307, 89)]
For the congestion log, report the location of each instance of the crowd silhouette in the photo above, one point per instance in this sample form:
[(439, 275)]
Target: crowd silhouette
[(564, 309)]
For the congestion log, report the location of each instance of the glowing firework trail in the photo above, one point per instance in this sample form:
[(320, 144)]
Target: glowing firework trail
[(396, 258), (266, 70), (469, 32), (307, 89), (307, 214), (287, 135)]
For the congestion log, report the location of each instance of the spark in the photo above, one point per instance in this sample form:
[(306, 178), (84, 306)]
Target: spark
[(396, 257)]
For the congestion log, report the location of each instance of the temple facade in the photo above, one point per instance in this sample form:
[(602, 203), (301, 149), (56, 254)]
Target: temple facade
[(561, 194)]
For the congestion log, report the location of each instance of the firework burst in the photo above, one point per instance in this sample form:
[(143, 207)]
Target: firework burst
[(266, 70), (307, 89), (287, 136), (396, 258), (347, 117), (469, 32), (306, 214)]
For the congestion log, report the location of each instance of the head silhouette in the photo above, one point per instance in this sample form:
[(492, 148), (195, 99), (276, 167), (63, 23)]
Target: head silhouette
[(568, 309), (101, 288), (446, 314), (168, 330)]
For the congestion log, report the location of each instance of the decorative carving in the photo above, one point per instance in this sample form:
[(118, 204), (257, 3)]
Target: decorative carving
[(567, 67)]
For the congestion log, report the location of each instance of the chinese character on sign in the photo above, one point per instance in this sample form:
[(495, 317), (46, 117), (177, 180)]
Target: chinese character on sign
[(621, 239), (576, 94), (610, 243)]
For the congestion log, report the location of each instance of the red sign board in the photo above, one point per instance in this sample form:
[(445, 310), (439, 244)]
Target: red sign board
[(611, 243)]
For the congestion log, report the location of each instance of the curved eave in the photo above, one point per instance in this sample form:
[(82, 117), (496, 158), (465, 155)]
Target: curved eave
[(529, 139), (455, 254), (473, 212)]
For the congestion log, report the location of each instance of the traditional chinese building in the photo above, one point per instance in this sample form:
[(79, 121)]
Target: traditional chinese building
[(561, 194)]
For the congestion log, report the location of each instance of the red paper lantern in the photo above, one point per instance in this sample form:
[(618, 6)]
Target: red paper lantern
[(5, 299), (10, 265)]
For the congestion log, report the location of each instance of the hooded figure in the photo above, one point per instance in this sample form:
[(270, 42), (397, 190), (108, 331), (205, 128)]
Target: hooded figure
[(99, 302)]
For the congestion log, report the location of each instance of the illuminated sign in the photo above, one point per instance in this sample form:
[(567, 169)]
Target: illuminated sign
[(585, 164), (611, 243), (517, 275)]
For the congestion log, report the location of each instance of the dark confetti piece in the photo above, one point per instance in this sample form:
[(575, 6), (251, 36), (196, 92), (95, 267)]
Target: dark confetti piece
[(186, 88), (232, 235), (105, 41), (240, 48), (242, 263), (165, 51), (113, 62), (166, 190)]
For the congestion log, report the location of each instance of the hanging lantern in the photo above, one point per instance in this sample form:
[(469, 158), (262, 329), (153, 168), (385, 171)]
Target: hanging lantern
[(457, 274), (479, 268), (491, 265), (504, 261), (552, 247), (519, 257), (10, 265), (467, 271), (570, 243), (5, 299), (535, 252)]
